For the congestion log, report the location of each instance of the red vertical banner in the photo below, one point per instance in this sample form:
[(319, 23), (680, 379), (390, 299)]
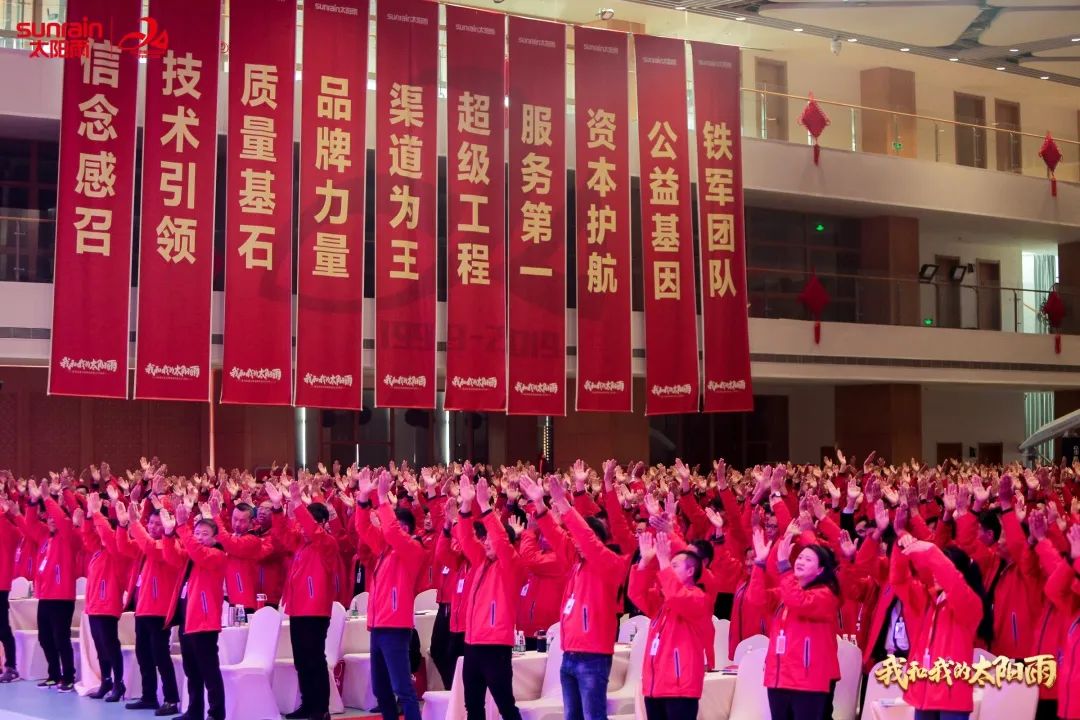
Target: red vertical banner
[(726, 336), (537, 258), (330, 267), (406, 187), (257, 365), (176, 238), (476, 228), (95, 190), (671, 349), (602, 198)]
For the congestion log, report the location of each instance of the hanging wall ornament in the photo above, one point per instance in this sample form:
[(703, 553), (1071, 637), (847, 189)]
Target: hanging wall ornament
[(1051, 155), (815, 298), (815, 121)]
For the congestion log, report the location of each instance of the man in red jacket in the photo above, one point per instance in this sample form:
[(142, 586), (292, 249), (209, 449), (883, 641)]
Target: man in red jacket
[(245, 551), (9, 542), (589, 623), (400, 557), (491, 606)]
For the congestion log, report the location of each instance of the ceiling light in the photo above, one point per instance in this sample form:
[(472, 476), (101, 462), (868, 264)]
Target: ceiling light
[(1076, 39), (954, 59), (905, 49), (680, 8), (1044, 77), (1001, 67), (1014, 49), (797, 30), (853, 39), (740, 18), (605, 13)]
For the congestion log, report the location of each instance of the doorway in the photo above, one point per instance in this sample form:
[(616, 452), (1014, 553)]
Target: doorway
[(990, 453), (1007, 138), (947, 292), (971, 136), (771, 76), (949, 451), (988, 277)]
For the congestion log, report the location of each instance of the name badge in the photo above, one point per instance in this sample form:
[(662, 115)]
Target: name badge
[(525, 590), (569, 606), (460, 585), (781, 643), (445, 569), (655, 647), (183, 592)]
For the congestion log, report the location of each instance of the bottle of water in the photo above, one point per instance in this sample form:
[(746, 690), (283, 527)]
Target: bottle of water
[(241, 615), (519, 641)]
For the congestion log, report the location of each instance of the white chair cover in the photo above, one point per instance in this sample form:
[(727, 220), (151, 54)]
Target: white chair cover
[(846, 693), (622, 700), (426, 601), (721, 628), (1011, 702), (550, 704), (980, 653), (80, 587), (639, 624), (754, 642), (359, 603), (286, 683), (20, 588), (751, 700), (29, 658), (876, 691), (248, 691)]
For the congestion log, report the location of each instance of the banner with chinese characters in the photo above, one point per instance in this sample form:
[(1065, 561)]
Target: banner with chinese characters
[(92, 277), (330, 277), (406, 187), (257, 363), (671, 350), (176, 238), (603, 220), (537, 257), (476, 228), (726, 338)]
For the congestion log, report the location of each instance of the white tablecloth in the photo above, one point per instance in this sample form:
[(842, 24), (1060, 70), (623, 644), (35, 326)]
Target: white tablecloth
[(23, 613), (897, 709), (716, 696)]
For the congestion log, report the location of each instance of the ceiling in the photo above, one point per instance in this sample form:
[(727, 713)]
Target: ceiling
[(1036, 38)]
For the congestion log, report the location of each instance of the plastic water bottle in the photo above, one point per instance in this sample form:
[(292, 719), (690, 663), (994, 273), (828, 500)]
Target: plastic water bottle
[(241, 615), (519, 641)]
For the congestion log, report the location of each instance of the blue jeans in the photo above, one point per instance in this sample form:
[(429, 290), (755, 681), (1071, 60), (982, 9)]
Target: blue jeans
[(584, 685), (941, 715), (391, 673)]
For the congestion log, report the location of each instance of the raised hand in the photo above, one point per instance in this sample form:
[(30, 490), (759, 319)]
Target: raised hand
[(610, 466), (558, 494), (715, 518), (652, 505), (33, 491), (579, 475), (93, 503), (384, 484), (881, 516), (847, 545), (647, 548), (182, 514), (1074, 542), (466, 493), (515, 525), (122, 516), (483, 495), (168, 522), (1037, 525), (834, 492), (364, 485), (273, 493), (663, 550), (761, 546), (683, 474)]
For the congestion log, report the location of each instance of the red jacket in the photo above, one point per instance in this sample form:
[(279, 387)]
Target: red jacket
[(939, 626), (108, 568), (1018, 594), (1051, 626), (446, 561), (1063, 590), (747, 619), (272, 571), (309, 590), (545, 581), (25, 553), (591, 600), (242, 571), (495, 585), (674, 663), (56, 571), (158, 583), (9, 547), (802, 637), (393, 580), (203, 592)]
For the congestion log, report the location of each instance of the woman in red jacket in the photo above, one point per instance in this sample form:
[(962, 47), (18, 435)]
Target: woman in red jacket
[(203, 562), (801, 665), (106, 577), (666, 590), (944, 612), (9, 542)]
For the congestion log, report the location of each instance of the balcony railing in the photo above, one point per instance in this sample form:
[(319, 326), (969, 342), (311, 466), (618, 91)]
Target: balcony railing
[(773, 115)]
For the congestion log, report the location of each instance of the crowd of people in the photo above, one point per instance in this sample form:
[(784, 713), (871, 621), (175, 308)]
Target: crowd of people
[(912, 561)]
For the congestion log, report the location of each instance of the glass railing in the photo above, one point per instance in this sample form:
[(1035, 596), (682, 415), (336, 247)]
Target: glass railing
[(870, 299), (775, 116), (26, 245)]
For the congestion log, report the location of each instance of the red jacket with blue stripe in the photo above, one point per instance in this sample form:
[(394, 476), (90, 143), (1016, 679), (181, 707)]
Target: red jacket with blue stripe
[(495, 584), (399, 559), (309, 589), (202, 593), (107, 570)]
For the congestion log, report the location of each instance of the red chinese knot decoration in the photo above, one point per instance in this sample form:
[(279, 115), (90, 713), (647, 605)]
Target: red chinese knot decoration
[(815, 121), (1054, 310), (1051, 155), (815, 298)]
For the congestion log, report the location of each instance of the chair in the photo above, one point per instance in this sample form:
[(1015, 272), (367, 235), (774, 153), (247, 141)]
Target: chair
[(638, 624), (80, 587), (846, 692), (1011, 701), (426, 601), (754, 642), (29, 658), (248, 693), (980, 653), (132, 677), (751, 700), (622, 700), (286, 684), (721, 628), (875, 691), (20, 588), (359, 603), (550, 704)]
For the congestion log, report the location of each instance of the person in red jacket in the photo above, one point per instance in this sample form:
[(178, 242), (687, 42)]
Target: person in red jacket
[(547, 572), (54, 582), (1063, 590), (491, 606), (104, 598), (9, 543), (400, 557), (272, 568), (665, 588), (245, 550), (944, 614), (202, 562), (156, 589), (591, 601), (445, 648), (801, 666), (308, 596)]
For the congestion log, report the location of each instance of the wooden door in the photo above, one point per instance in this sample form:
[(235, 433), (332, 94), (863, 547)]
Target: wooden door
[(1007, 139), (771, 75), (947, 292), (949, 451), (971, 136), (990, 453), (988, 275)]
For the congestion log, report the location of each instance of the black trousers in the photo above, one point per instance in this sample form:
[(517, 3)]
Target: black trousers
[(798, 704), (440, 645), (455, 648), (54, 636), (199, 652), (152, 652), (104, 631), (722, 608), (672, 708), (489, 668), (308, 636), (7, 638), (1046, 710)]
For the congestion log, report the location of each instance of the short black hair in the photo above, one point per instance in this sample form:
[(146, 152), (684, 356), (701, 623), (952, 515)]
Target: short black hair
[(406, 518), (598, 528), (319, 513), (245, 507), (209, 523), (694, 559), (704, 550), (990, 520)]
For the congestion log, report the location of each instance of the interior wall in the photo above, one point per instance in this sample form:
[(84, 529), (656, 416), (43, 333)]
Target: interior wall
[(811, 417), (970, 416)]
